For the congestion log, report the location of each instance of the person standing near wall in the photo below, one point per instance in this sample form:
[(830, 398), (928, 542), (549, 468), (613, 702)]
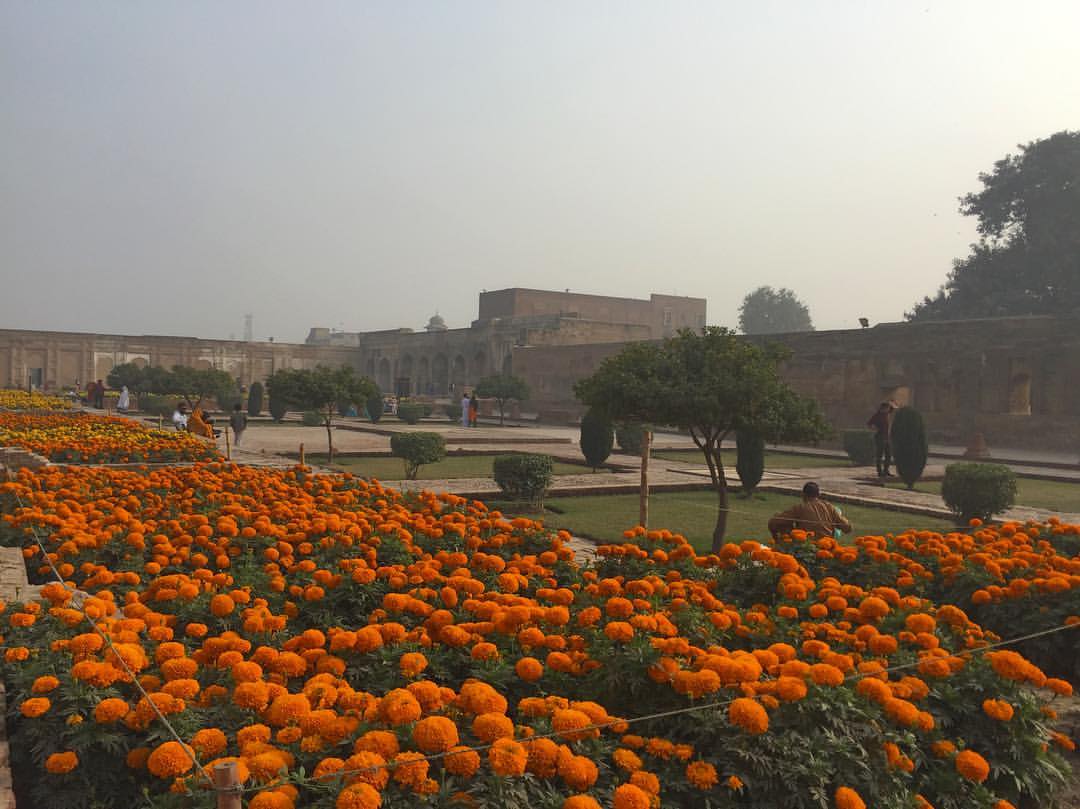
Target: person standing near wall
[(881, 422), (465, 409), (474, 409), (238, 421)]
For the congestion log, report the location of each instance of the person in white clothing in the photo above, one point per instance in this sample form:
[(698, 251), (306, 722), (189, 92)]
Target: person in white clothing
[(124, 402), (180, 417), (464, 411)]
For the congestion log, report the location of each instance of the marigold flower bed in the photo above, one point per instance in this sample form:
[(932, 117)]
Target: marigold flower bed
[(86, 438), (31, 400), (331, 635)]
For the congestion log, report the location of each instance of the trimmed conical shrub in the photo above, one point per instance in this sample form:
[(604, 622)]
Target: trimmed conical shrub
[(909, 445), (749, 459), (597, 438)]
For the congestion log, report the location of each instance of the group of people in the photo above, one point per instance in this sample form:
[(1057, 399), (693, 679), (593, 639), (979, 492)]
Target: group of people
[(200, 424), (470, 410)]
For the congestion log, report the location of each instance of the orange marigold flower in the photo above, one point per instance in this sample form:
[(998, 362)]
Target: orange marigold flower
[(411, 664), (358, 796), (998, 709), (170, 759), (209, 742), (488, 727), (45, 684), (748, 715), (477, 698), (35, 707), (382, 742), (366, 766), (59, 763), (573, 725), (847, 798), (462, 761), (410, 769), (436, 734), (529, 669), (271, 799), (702, 774), (111, 710), (579, 772), (399, 707), (507, 757), (972, 766), (628, 796), (626, 760)]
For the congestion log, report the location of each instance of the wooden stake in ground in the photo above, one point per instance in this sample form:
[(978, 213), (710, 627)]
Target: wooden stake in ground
[(302, 455), (227, 784), (643, 510)]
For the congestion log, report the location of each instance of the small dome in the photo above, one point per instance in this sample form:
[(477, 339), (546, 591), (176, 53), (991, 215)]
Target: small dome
[(436, 323)]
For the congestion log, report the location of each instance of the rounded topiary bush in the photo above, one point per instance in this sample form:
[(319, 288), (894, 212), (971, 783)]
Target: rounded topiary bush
[(750, 459), (978, 490), (313, 418), (630, 436), (909, 445), (523, 477), (453, 411), (417, 449), (597, 438), (410, 412), (859, 445)]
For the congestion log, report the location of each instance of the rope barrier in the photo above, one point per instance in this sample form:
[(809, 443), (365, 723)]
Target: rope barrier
[(78, 599), (232, 791)]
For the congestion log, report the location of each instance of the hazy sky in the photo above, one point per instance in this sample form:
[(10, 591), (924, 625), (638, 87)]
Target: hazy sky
[(166, 167)]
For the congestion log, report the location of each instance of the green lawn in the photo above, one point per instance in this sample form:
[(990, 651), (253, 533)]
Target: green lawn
[(693, 514), (1053, 495), (453, 466), (773, 460)]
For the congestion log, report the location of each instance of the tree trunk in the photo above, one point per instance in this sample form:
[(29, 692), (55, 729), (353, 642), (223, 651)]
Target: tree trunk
[(722, 510), (502, 405), (329, 442), (643, 508)]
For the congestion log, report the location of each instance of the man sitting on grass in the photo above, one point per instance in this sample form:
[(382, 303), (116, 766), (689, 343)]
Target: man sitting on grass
[(812, 515)]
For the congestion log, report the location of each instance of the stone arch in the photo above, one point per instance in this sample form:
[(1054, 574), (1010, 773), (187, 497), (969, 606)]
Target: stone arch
[(102, 366), (405, 383), (1020, 394), (440, 374), (383, 375), (479, 365), (423, 377), (457, 373), (139, 362)]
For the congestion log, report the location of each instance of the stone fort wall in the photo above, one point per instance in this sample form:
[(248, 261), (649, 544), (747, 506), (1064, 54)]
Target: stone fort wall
[(1010, 378)]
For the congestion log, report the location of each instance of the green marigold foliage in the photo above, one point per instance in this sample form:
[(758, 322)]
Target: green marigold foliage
[(597, 438), (750, 459), (524, 478), (859, 445), (410, 412), (255, 399), (978, 490), (909, 445), (417, 449)]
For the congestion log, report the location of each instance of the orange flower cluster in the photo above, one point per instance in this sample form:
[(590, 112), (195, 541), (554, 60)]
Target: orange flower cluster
[(293, 621), (87, 438)]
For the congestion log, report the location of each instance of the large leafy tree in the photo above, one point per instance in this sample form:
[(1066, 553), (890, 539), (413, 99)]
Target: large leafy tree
[(1027, 260), (713, 384), (192, 384), (502, 388), (773, 311), (321, 389)]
